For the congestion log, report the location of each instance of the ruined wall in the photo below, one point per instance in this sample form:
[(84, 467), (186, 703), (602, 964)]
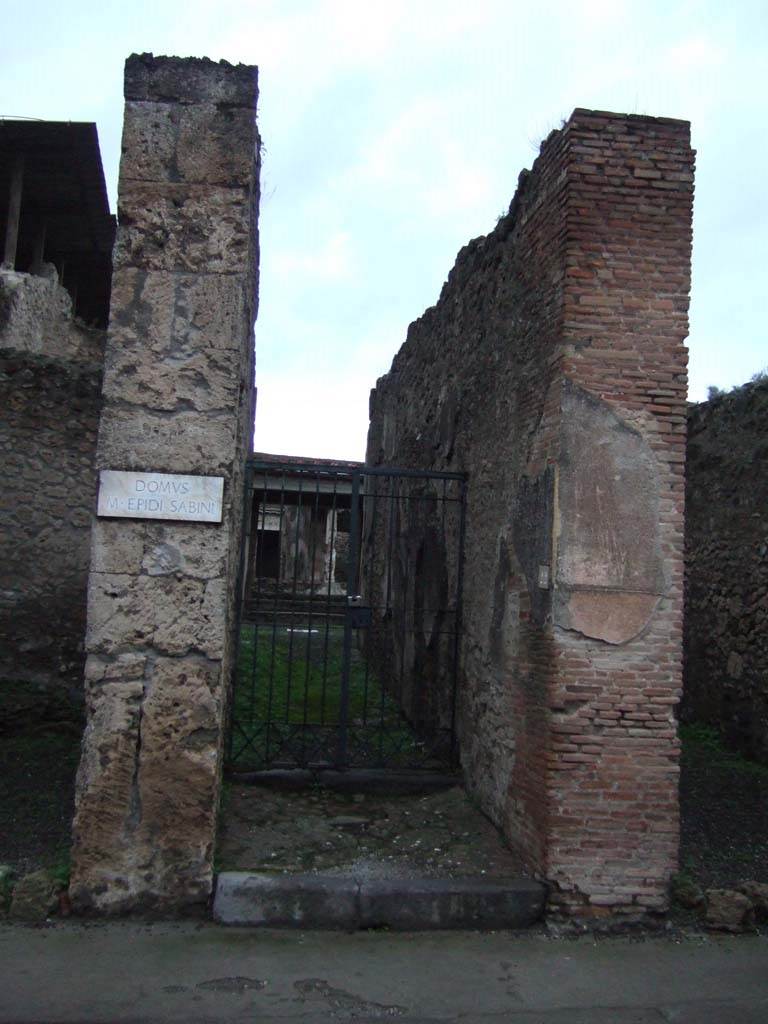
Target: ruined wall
[(178, 398), (726, 540), (50, 396), (552, 371)]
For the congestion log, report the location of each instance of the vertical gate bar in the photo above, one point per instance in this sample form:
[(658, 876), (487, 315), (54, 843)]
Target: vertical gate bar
[(255, 560), (291, 613), (307, 670), (374, 483), (328, 604), (388, 611), (390, 538), (259, 559), (457, 619), (354, 540), (407, 499), (271, 692), (234, 673)]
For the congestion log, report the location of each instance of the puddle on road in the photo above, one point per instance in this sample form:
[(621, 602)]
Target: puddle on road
[(339, 1001)]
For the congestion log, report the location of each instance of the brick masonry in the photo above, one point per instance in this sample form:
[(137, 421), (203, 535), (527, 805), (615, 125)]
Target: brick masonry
[(178, 398), (726, 540), (553, 371)]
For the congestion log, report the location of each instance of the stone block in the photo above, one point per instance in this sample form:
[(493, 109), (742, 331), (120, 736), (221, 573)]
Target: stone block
[(172, 615), (106, 777), (116, 546), (317, 901), (112, 669), (173, 341), (134, 437), (290, 901), (178, 759), (164, 139), (729, 911), (183, 548), (35, 896), (179, 316), (158, 549), (413, 905), (184, 227), (190, 80)]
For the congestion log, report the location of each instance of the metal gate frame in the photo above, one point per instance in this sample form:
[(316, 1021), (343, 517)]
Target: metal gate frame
[(346, 742)]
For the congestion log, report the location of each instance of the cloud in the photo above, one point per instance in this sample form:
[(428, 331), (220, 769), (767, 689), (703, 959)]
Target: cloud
[(331, 262), (325, 416), (417, 153), (693, 54)]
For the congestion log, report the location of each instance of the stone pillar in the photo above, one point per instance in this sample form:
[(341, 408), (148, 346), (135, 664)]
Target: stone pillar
[(178, 398)]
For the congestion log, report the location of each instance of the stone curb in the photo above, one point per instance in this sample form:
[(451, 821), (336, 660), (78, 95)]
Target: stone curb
[(349, 903)]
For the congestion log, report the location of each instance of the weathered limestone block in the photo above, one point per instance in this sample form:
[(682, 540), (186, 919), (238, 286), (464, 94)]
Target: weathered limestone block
[(178, 399), (178, 315), (36, 316), (107, 774), (172, 614), (161, 135), (176, 226), (186, 323), (139, 436), (183, 80)]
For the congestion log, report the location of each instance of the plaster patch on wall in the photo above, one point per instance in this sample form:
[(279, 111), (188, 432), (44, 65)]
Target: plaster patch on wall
[(609, 570)]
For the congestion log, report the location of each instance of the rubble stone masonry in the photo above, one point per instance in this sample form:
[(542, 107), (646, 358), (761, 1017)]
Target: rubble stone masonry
[(178, 398), (553, 371), (726, 540), (50, 397)]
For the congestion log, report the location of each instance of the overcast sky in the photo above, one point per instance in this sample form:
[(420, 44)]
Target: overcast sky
[(394, 132)]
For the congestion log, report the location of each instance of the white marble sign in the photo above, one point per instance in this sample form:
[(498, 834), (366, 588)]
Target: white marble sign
[(195, 499)]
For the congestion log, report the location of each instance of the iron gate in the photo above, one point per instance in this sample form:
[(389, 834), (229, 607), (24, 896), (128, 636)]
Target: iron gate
[(350, 619)]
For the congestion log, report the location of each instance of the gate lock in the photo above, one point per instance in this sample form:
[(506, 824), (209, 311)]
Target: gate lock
[(358, 615)]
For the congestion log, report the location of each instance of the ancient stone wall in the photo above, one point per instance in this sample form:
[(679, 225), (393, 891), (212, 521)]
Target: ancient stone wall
[(50, 396), (178, 398), (726, 540), (552, 371)]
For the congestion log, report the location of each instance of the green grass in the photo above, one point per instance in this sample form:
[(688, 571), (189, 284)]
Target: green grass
[(295, 677), (292, 680), (703, 741), (6, 889)]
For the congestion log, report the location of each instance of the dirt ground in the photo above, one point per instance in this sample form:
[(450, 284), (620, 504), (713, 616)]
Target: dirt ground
[(724, 815), (427, 835)]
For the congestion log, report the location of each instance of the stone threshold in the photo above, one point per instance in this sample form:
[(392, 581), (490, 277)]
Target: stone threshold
[(351, 903)]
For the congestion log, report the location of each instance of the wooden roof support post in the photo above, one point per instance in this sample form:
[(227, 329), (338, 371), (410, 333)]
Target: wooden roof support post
[(14, 213)]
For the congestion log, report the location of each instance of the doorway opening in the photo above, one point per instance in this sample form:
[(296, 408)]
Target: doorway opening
[(350, 618)]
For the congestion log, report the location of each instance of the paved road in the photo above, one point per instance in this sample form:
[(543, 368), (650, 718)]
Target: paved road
[(127, 972)]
